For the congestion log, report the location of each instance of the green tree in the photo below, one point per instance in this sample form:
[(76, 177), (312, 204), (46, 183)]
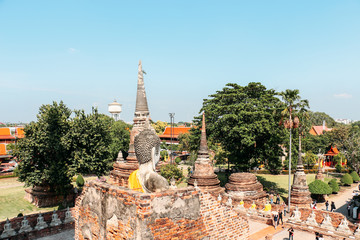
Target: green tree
[(169, 171), (347, 179), (310, 158), (318, 189), (159, 126), (245, 121), (120, 138), (334, 185), (44, 158), (88, 142), (355, 176), (317, 119)]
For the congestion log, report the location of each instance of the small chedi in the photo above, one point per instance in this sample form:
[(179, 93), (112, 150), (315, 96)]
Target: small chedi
[(300, 194), (245, 186), (203, 172)]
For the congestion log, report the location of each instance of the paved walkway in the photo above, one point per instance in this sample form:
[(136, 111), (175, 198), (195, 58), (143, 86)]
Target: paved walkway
[(65, 235)]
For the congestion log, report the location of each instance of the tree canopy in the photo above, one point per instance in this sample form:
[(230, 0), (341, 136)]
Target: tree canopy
[(245, 120), (56, 147)]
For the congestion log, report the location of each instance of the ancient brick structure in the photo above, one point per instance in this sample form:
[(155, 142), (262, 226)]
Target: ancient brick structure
[(123, 169), (43, 197), (203, 172), (107, 211), (245, 186), (300, 194), (32, 221)]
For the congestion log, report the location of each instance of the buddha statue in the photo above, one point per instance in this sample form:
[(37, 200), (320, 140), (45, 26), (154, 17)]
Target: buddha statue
[(147, 150)]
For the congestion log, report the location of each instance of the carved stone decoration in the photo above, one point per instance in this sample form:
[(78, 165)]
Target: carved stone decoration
[(55, 221), (245, 186), (8, 231), (41, 224), (25, 227), (68, 216), (343, 227), (120, 158), (229, 201), (311, 220), (240, 206), (219, 198), (327, 223), (296, 217)]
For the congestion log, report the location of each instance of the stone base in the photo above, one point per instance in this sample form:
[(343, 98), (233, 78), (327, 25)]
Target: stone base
[(244, 186), (205, 178), (300, 194), (107, 211), (120, 175), (41, 198)]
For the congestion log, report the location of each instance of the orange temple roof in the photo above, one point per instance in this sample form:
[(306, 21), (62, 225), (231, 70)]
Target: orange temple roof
[(176, 132), (332, 152)]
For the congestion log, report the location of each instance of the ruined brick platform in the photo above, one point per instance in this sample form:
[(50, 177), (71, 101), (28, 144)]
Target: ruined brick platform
[(105, 211), (245, 186)]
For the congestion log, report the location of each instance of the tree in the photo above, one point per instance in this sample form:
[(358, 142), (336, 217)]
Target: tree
[(169, 171), (245, 121), (44, 157), (159, 126), (88, 142), (120, 138), (317, 119), (334, 185), (318, 189), (355, 176), (310, 158), (347, 179)]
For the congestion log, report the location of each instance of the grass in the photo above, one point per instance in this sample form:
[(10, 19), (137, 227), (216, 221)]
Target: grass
[(12, 201)]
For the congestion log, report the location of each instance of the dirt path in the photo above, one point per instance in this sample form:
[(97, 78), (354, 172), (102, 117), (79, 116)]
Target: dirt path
[(12, 185)]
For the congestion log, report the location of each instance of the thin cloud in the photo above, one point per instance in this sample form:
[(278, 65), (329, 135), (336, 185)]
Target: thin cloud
[(343, 95), (72, 50)]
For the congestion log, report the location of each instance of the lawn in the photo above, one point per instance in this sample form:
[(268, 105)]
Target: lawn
[(12, 201)]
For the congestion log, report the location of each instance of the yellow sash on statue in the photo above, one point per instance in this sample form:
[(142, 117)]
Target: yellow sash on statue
[(134, 182)]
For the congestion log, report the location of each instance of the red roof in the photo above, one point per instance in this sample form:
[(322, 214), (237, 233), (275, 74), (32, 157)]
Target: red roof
[(176, 132), (332, 152), (318, 130)]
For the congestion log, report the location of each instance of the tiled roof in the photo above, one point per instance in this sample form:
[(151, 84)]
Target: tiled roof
[(332, 152), (176, 132), (318, 130)]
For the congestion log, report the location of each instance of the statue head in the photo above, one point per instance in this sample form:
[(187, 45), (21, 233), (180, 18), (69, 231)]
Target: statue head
[(147, 147)]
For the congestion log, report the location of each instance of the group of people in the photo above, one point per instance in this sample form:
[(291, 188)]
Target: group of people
[(332, 206), (277, 218), (271, 198)]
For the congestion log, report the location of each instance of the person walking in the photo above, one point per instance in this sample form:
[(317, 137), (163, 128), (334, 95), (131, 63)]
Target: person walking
[(277, 199), (271, 196), (327, 205), (332, 206), (280, 218), (275, 220), (284, 208), (291, 233), (348, 209)]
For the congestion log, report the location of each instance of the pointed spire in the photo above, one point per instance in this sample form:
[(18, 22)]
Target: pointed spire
[(203, 151), (141, 101)]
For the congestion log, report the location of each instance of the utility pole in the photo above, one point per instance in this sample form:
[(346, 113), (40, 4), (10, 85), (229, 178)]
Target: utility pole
[(172, 115)]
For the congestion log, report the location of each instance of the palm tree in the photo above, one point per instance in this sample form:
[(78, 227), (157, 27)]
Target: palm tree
[(294, 107)]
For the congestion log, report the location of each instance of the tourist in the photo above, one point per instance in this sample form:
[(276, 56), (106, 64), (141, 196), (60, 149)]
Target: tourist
[(280, 217), (314, 207), (316, 236), (327, 205), (284, 208), (359, 186), (277, 199), (348, 209), (271, 196), (291, 233), (332, 206), (275, 220), (321, 237)]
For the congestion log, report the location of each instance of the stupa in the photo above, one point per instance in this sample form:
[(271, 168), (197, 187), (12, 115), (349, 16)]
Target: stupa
[(203, 172), (245, 186), (122, 170), (300, 194)]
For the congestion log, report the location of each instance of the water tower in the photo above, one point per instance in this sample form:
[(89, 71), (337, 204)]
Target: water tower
[(115, 110)]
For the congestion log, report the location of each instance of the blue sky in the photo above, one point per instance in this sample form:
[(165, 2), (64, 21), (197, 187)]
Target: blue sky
[(86, 53)]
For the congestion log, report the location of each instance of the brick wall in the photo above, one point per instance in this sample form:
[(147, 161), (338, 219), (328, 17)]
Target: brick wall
[(105, 211), (32, 219)]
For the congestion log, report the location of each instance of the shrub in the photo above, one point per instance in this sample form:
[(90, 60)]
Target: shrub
[(347, 179), (177, 160), (338, 168), (319, 187), (80, 181), (171, 170), (355, 176), (334, 185)]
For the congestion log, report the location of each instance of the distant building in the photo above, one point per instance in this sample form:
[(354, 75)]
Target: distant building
[(344, 121), (173, 133), (319, 130), (8, 135), (115, 110)]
